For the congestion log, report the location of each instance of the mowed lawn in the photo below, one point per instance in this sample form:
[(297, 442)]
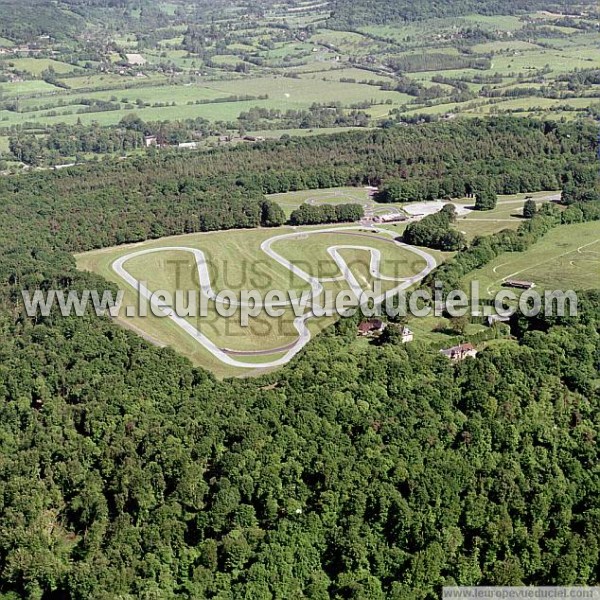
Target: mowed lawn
[(343, 195), (174, 270), (310, 253), (568, 257), (235, 262)]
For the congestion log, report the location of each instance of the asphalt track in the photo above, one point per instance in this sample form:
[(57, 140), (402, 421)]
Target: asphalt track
[(227, 356)]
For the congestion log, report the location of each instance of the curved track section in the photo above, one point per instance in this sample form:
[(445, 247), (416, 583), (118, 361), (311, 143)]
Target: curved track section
[(316, 284)]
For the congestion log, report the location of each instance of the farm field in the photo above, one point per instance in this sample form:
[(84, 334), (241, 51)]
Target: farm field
[(37, 65), (568, 257), (296, 67), (283, 94), (231, 349)]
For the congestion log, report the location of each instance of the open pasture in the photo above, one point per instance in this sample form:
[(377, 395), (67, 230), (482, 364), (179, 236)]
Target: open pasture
[(36, 66), (508, 214), (291, 200)]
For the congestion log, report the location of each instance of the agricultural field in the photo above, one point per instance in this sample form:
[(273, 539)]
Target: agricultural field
[(326, 260), (289, 61), (35, 66)]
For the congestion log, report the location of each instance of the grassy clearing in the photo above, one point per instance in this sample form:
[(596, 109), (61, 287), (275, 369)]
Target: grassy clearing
[(309, 252), (97, 81), (505, 46), (532, 105), (223, 252), (439, 330), (338, 195), (180, 93), (568, 257), (19, 88), (496, 22), (350, 73), (235, 262), (285, 92), (36, 66), (508, 214), (292, 200), (215, 112), (559, 62)]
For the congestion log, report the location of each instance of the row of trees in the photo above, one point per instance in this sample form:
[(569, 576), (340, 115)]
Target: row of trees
[(480, 187), (315, 117), (310, 214)]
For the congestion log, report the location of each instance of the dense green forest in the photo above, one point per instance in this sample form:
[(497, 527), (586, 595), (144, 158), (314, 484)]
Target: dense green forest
[(356, 472), (115, 202)]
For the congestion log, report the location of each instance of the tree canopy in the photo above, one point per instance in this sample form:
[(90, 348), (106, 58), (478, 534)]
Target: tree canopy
[(357, 471)]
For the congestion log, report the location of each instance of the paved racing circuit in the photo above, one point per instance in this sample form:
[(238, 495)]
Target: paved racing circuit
[(316, 284)]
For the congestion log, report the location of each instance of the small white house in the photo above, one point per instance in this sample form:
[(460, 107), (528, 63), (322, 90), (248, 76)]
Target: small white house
[(407, 335)]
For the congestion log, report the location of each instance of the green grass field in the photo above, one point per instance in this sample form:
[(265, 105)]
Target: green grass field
[(283, 94), (292, 200), (310, 253), (36, 66), (568, 257), (507, 214)]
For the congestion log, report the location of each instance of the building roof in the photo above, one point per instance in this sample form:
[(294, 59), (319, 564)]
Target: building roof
[(371, 325), (458, 350)]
